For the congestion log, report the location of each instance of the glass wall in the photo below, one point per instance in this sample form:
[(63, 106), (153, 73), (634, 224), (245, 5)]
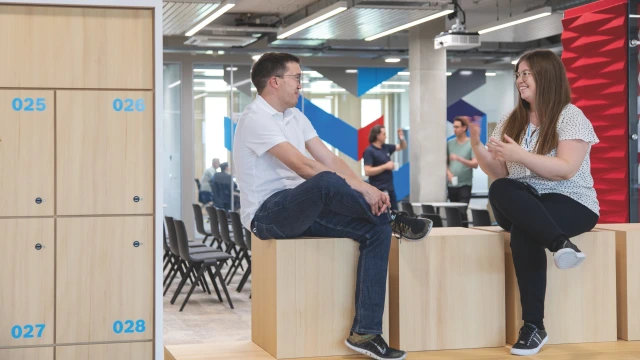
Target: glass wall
[(171, 123)]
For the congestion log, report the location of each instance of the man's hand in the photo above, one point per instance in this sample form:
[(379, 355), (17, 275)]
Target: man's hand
[(454, 157), (378, 200), (449, 175), (400, 134), (389, 165)]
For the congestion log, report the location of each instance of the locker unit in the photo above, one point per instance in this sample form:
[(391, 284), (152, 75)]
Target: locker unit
[(127, 351), (104, 152), (27, 283), (26, 152), (41, 353), (104, 278)]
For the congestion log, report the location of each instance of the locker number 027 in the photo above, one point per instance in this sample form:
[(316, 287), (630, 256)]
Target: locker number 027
[(27, 331), (28, 104), (128, 105)]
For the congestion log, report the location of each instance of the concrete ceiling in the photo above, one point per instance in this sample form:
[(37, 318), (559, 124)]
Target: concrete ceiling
[(280, 7)]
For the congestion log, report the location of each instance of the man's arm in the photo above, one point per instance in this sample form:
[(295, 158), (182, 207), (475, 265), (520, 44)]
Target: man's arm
[(375, 170), (403, 142), (473, 163)]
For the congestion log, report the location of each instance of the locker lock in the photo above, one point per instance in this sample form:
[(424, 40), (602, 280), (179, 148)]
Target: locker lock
[(39, 200), (137, 199), (137, 244), (39, 246)]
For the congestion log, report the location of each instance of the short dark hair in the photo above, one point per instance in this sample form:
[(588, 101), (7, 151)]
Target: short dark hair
[(224, 166), (375, 131), (461, 119), (269, 65)]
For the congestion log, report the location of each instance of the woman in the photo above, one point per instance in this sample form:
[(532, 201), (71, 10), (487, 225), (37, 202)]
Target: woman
[(544, 193)]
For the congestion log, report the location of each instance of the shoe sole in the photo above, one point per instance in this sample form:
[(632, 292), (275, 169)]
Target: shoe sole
[(523, 352), (425, 235), (370, 354), (568, 258)]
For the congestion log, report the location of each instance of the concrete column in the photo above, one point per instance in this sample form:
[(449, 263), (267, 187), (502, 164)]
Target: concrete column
[(428, 113), (349, 111)]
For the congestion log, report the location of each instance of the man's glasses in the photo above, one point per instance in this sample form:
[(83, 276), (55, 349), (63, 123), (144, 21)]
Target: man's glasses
[(297, 78)]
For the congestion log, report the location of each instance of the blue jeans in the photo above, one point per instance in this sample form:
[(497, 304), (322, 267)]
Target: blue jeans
[(326, 206)]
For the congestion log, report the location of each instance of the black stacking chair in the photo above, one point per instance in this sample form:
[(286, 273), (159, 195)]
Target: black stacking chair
[(428, 209), (437, 220), (481, 217), (243, 253), (200, 262), (215, 227), (197, 214), (454, 217), (166, 258), (408, 208), (226, 237)]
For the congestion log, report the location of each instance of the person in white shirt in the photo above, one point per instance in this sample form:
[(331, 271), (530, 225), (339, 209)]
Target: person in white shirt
[(206, 195), (294, 186), (544, 192)]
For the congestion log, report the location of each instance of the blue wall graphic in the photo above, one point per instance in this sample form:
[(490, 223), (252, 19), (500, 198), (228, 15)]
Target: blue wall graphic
[(368, 78)]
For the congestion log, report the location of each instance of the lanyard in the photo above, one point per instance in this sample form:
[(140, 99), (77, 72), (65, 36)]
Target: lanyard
[(527, 139)]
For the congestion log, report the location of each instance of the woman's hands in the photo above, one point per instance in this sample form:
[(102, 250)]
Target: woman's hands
[(507, 150)]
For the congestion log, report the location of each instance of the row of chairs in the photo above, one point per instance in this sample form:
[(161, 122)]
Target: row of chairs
[(194, 260), (454, 215)]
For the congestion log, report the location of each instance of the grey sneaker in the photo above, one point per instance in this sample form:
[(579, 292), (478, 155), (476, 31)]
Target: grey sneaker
[(408, 227), (376, 348), (569, 256)]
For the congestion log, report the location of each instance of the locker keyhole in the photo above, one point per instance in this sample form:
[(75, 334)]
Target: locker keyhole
[(136, 243), (39, 200), (38, 246)]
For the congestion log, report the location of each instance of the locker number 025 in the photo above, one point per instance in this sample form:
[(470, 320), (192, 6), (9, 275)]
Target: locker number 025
[(28, 104), (128, 105)]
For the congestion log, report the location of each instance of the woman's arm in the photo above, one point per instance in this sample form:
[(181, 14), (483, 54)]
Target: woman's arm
[(492, 167)]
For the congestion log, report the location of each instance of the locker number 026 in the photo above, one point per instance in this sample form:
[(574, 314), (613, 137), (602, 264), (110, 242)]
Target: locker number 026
[(28, 104), (27, 331), (128, 105), (129, 327)]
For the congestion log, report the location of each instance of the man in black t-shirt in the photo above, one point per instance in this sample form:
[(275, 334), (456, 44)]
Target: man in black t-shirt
[(377, 161)]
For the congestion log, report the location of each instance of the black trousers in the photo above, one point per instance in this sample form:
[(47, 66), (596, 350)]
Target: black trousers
[(460, 194), (536, 222)]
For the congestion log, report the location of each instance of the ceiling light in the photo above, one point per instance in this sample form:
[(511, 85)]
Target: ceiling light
[(395, 83), (313, 19), (413, 23), (449, 73), (490, 74), (404, 73), (256, 57), (466, 72), (351, 71), (210, 72), (209, 52), (515, 20), (174, 84), (199, 96), (220, 52), (231, 68), (221, 9), (392, 60), (515, 61)]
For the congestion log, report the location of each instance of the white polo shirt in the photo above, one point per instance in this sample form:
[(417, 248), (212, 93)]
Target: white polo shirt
[(259, 173)]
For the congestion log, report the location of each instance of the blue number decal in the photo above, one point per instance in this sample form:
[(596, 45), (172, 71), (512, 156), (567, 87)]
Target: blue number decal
[(117, 105), (140, 105), (140, 326), (129, 330), (29, 333), (128, 105), (40, 105), (16, 104), (40, 329), (29, 106), (16, 332), (118, 327)]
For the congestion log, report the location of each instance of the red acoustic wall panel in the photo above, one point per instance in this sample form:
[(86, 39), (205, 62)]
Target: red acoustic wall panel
[(594, 44)]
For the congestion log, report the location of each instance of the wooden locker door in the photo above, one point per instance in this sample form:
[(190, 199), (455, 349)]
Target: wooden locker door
[(26, 282), (104, 152), (104, 279), (40, 353), (127, 351), (26, 153)]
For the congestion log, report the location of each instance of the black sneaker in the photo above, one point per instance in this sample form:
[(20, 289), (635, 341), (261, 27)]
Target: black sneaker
[(410, 228), (569, 256), (530, 340), (376, 348)]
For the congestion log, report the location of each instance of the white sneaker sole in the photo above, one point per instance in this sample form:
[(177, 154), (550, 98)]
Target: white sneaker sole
[(370, 354), (522, 352), (568, 258)]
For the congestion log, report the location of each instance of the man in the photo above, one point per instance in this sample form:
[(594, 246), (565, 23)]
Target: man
[(206, 196), (221, 188), (286, 194), (377, 161), (461, 161)]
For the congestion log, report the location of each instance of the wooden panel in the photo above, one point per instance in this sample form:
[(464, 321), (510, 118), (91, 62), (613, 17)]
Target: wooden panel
[(103, 278), (580, 303), (305, 307), (627, 278), (66, 47), (44, 353), (26, 280), (26, 153), (105, 157), (127, 351), (450, 290)]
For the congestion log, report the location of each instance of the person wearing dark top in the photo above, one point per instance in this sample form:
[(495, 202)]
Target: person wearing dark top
[(377, 161), (221, 188)]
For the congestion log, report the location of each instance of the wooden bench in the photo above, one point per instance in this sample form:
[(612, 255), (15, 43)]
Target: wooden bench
[(447, 291), (580, 303), (627, 278), (303, 295)]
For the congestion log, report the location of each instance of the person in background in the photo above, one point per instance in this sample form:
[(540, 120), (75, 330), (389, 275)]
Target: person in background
[(461, 162), (377, 161), (221, 188), (543, 193), (206, 195)]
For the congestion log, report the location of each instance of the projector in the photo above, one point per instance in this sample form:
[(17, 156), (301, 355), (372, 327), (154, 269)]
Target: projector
[(457, 40)]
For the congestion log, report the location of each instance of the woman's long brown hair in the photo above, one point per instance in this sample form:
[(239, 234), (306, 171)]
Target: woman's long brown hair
[(552, 95)]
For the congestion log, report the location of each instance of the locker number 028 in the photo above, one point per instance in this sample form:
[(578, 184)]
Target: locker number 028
[(128, 105), (28, 104), (129, 327), (27, 331)]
